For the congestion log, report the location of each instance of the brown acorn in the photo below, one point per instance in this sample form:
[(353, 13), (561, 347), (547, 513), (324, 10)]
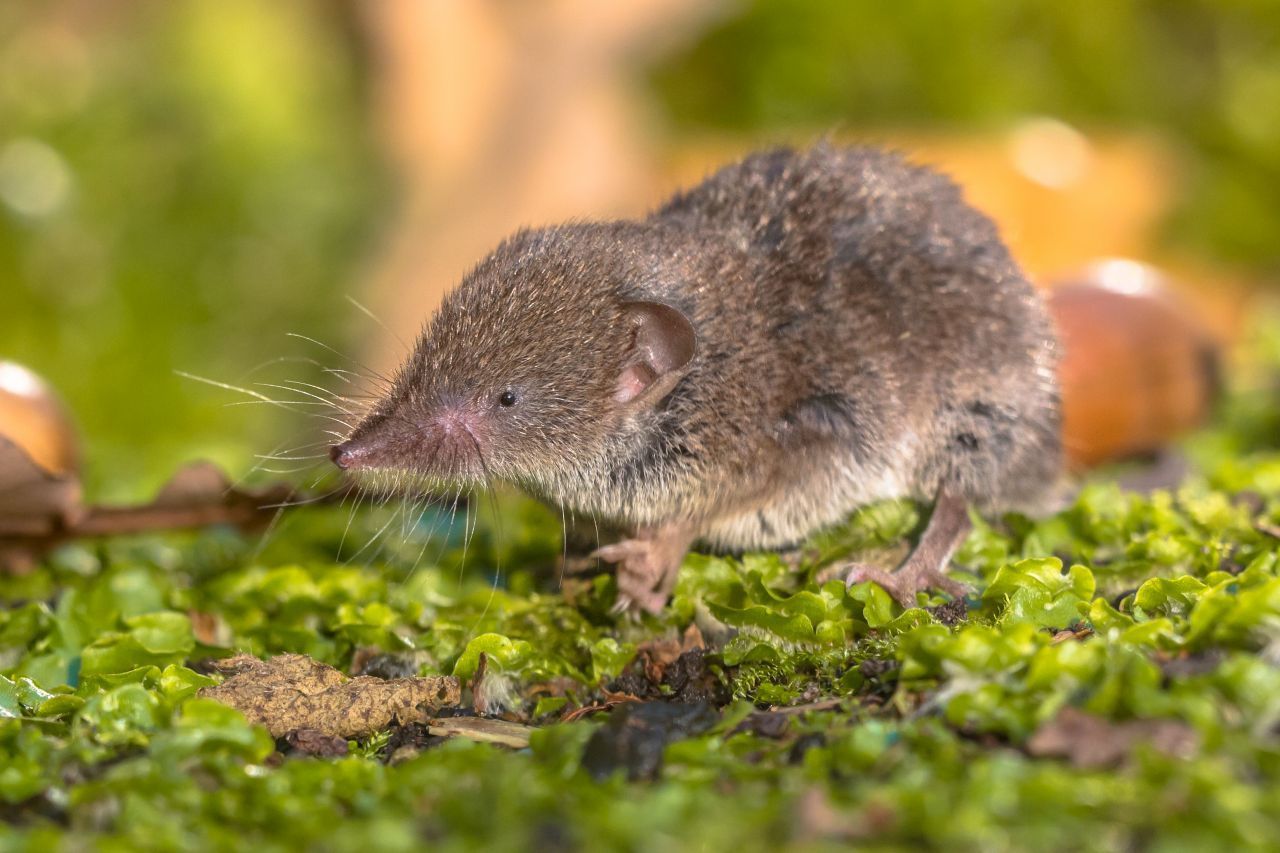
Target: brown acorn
[(39, 454), (1138, 369)]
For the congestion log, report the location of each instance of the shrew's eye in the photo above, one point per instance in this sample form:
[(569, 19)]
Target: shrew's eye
[(507, 399)]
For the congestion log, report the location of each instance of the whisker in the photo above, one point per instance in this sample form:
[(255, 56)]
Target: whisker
[(299, 385), (377, 320), (283, 359), (283, 404), (294, 470), (453, 516), (344, 375), (383, 541), (258, 396), (493, 590), (411, 502), (467, 530), (272, 457), (288, 407), (435, 525), (342, 543), (343, 356), (564, 548), (426, 540), (267, 532), (331, 394), (317, 398), (313, 499), (372, 539)]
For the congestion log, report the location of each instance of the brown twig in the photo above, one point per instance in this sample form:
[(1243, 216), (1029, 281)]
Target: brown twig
[(24, 538)]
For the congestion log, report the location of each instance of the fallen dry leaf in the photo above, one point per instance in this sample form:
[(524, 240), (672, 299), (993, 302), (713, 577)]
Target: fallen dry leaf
[(312, 742), (288, 693), (1090, 741), (611, 701), (817, 818), (209, 628), (656, 655), (692, 638), (482, 729), (479, 700), (1069, 634)]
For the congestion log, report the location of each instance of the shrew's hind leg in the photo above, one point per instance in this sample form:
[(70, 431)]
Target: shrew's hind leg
[(926, 566)]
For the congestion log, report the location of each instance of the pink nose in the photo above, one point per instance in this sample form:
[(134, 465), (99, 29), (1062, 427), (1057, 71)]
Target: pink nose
[(455, 422), (342, 455)]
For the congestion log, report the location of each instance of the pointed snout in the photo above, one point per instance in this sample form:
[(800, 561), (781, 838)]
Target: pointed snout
[(353, 454), (375, 443), (343, 455), (444, 441)]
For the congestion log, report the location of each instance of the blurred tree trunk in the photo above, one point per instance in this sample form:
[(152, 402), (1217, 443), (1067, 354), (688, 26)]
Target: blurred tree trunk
[(498, 115)]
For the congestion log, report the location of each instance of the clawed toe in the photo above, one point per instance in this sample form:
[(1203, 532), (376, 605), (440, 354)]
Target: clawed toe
[(644, 579), (927, 565), (617, 552), (907, 582), (637, 593), (648, 563)]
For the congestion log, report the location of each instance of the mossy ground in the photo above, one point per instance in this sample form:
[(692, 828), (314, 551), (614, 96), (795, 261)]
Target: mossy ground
[(1129, 607)]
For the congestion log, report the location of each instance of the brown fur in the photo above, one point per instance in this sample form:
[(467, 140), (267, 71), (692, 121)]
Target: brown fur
[(862, 333)]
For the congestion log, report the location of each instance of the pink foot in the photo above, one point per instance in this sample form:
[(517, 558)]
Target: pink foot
[(927, 565), (905, 583), (648, 566)]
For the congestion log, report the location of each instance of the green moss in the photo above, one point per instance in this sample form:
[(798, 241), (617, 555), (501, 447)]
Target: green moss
[(919, 723), (1173, 601)]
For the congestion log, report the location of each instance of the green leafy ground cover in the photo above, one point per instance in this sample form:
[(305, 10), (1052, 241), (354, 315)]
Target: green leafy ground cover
[(921, 723)]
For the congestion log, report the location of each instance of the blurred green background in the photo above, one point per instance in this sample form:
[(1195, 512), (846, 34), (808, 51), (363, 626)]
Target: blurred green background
[(182, 184), (1205, 73)]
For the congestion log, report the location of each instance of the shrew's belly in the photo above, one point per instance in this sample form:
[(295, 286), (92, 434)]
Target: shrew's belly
[(817, 496)]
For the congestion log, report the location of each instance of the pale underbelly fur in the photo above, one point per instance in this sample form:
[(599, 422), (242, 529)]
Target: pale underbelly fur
[(825, 495)]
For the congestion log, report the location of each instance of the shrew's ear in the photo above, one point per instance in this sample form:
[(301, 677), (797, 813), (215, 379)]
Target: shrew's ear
[(662, 345)]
